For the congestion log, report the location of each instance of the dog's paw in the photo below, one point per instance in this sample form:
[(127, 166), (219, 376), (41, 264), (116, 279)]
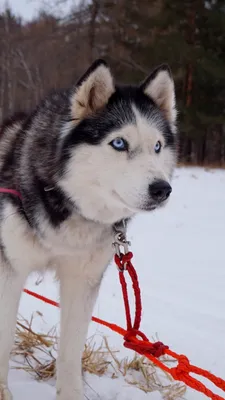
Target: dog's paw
[(5, 393)]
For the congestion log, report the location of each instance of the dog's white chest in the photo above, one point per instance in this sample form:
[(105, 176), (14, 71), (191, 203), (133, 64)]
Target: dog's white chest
[(77, 243)]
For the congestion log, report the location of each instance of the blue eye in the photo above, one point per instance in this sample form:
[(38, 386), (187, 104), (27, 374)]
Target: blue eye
[(158, 147), (119, 144)]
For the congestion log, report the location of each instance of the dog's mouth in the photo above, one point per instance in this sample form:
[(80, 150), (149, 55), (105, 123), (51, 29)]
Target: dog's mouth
[(151, 207), (147, 207)]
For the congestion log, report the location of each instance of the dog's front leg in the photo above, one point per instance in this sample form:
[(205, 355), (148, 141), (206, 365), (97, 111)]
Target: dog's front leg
[(77, 300), (11, 284)]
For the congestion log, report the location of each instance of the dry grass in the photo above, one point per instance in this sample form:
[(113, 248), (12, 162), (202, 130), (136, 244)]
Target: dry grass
[(36, 353)]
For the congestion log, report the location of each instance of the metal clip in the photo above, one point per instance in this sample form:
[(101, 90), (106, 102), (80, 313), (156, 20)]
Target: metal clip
[(121, 245)]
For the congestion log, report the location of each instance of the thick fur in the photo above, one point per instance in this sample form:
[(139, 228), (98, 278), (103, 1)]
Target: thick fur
[(75, 187)]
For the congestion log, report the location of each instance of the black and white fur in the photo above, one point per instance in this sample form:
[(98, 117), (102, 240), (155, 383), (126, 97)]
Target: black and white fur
[(75, 187)]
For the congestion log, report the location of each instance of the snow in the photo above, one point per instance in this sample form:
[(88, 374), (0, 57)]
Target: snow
[(180, 259)]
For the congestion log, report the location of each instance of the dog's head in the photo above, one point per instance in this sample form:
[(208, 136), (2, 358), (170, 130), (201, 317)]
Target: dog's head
[(119, 147)]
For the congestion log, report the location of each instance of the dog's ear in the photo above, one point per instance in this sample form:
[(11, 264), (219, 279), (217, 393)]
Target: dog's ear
[(160, 87), (92, 91)]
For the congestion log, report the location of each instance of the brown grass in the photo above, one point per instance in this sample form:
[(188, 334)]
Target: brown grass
[(36, 354)]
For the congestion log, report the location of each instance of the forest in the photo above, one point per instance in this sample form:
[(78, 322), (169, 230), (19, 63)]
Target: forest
[(133, 36)]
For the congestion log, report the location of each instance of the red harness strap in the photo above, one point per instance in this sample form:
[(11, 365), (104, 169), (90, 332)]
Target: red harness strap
[(11, 191), (136, 340)]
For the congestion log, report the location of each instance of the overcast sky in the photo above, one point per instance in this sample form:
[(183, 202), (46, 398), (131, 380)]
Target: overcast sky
[(29, 8)]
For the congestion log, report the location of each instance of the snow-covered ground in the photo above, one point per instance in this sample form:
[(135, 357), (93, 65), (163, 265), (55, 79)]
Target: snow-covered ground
[(179, 253)]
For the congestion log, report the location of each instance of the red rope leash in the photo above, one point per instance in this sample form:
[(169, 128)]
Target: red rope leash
[(136, 340)]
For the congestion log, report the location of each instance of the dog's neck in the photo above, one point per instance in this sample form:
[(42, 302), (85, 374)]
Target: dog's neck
[(57, 206)]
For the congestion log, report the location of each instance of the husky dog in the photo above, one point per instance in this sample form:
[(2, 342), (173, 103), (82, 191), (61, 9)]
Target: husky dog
[(84, 160)]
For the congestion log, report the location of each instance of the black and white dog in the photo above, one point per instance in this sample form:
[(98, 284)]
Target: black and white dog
[(84, 160)]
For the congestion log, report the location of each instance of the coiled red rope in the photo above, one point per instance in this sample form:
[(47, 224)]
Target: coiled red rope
[(142, 346)]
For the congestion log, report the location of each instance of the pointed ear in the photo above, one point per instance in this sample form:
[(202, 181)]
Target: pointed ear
[(92, 91), (160, 87)]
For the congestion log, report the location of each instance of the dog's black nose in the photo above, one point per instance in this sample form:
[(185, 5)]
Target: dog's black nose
[(160, 191)]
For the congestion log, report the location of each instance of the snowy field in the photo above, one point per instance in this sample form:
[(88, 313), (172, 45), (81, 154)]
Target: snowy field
[(183, 288)]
